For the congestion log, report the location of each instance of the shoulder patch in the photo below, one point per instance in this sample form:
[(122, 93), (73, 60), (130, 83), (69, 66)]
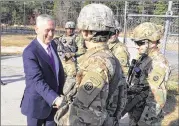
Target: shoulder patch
[(88, 86), (155, 78)]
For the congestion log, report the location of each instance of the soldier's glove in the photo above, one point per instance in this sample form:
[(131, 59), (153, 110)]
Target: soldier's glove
[(60, 113)]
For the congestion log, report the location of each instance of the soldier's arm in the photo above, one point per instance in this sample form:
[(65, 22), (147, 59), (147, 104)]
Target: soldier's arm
[(157, 97), (93, 92), (157, 79), (122, 55), (94, 79)]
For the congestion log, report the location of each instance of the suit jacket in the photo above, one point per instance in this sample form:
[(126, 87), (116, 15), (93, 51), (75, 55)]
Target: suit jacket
[(42, 85)]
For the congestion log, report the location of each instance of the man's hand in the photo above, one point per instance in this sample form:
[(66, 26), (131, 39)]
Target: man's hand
[(59, 102)]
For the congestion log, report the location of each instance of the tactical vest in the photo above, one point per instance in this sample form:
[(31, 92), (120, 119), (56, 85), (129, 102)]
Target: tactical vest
[(138, 90), (117, 96)]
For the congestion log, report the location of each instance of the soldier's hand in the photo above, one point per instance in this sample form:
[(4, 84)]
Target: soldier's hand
[(69, 55)]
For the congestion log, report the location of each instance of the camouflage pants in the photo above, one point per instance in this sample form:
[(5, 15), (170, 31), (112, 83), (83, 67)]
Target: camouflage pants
[(142, 116)]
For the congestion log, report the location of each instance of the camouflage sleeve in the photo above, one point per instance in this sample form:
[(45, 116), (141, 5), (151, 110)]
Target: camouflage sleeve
[(94, 79), (157, 97), (157, 79), (122, 55)]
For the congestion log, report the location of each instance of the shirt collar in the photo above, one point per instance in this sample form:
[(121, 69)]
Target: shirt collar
[(45, 46)]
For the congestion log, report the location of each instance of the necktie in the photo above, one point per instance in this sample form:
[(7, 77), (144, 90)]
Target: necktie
[(52, 61)]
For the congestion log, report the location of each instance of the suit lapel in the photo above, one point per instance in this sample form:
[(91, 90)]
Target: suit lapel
[(43, 54)]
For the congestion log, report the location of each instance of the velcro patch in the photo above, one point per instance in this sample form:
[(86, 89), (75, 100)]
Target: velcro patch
[(90, 86), (155, 78)]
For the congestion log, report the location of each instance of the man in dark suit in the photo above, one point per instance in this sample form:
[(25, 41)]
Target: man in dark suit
[(44, 76)]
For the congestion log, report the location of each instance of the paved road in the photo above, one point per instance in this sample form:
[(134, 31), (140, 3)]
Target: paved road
[(11, 94)]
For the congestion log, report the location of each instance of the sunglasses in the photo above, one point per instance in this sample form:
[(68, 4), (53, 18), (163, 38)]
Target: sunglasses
[(141, 42)]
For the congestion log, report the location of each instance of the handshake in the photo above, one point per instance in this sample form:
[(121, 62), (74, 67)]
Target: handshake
[(59, 102)]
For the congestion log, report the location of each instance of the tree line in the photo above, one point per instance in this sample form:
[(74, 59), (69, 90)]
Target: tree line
[(24, 13)]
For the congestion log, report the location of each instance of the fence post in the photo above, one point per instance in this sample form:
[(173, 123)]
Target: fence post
[(125, 22), (24, 15), (0, 31), (167, 24), (0, 41)]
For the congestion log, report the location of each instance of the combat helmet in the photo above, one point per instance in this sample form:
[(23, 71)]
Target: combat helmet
[(147, 31), (70, 24), (96, 17), (117, 26)]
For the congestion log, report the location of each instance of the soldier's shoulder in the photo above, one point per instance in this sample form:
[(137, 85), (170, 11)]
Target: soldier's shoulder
[(61, 36), (160, 60), (56, 38), (106, 59), (121, 47)]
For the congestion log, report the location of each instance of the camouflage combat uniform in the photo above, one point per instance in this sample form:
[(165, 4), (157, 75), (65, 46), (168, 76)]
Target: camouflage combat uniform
[(120, 52), (156, 70), (98, 80), (66, 50), (147, 92)]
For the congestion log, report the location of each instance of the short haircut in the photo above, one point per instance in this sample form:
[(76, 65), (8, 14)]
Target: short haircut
[(43, 18)]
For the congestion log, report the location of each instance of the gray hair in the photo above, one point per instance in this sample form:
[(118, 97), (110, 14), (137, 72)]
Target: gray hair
[(43, 18)]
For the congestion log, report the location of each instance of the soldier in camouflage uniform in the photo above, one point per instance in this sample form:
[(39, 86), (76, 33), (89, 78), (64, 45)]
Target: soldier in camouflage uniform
[(119, 49), (66, 46), (99, 77), (147, 80), (70, 47), (120, 52)]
